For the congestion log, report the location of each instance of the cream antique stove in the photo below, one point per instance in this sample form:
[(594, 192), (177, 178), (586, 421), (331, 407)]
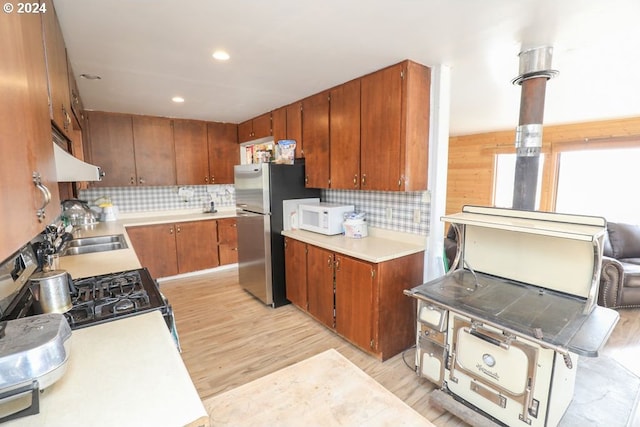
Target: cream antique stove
[(502, 331)]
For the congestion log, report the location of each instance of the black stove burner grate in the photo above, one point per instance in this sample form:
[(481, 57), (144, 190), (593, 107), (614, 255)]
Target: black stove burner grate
[(102, 298)]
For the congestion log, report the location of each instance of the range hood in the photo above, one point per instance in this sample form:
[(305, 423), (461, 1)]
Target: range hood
[(71, 169)]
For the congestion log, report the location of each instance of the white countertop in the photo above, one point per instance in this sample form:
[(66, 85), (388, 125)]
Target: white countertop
[(381, 245), (127, 372), (122, 373), (86, 265)]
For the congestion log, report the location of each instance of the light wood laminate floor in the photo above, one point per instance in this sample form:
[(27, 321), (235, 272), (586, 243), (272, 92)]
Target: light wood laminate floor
[(230, 338)]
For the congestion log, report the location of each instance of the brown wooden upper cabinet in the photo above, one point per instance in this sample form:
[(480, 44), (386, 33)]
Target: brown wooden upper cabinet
[(146, 150), (294, 127), (371, 133), (110, 144), (57, 74), (258, 127), (315, 134), (132, 150), (345, 136), (154, 150), (77, 107), (190, 139), (25, 133), (287, 124), (395, 128), (279, 124), (224, 152)]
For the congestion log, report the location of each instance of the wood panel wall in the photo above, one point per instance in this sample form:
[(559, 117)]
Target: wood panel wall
[(472, 157)]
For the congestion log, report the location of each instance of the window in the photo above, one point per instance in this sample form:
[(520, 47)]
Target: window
[(601, 183), (505, 177)]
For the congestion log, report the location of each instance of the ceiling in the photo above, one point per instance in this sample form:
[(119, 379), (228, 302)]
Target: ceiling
[(148, 51)]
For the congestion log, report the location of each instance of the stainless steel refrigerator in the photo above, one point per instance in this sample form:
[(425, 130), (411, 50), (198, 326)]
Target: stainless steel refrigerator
[(260, 190)]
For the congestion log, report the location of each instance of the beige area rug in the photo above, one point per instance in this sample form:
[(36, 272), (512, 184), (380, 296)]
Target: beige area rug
[(325, 390)]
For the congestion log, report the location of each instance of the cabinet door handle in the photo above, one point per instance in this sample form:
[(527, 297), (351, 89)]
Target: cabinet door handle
[(171, 230), (355, 180), (206, 179), (178, 230), (132, 181), (46, 195), (141, 180), (67, 119), (306, 179), (213, 179), (364, 179), (329, 263), (337, 264)]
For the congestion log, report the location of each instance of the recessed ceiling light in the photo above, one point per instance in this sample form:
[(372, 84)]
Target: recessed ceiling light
[(177, 99), (221, 55), (90, 76)]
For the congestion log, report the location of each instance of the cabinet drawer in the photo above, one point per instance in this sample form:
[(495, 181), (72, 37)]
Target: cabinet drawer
[(227, 231), (228, 254)]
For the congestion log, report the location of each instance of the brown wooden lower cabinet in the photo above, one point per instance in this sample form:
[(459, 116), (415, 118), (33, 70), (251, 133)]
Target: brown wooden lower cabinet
[(361, 301), (228, 241), (356, 289), (320, 284), (197, 245), (183, 247), (155, 246), (295, 253)]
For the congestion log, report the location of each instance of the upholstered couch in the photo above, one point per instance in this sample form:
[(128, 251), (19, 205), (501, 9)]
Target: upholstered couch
[(620, 275), (450, 246)]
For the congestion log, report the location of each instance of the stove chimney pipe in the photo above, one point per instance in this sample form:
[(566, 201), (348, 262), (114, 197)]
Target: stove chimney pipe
[(535, 70)]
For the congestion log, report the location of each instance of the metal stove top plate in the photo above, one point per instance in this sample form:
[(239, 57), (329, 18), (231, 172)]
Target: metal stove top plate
[(530, 310)]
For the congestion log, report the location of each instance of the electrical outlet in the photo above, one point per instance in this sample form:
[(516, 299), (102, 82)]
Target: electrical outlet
[(388, 214), (416, 216)]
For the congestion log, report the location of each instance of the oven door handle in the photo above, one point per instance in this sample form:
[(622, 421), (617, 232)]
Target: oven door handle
[(490, 337)]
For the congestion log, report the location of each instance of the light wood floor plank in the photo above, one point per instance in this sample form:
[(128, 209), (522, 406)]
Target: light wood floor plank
[(229, 338)]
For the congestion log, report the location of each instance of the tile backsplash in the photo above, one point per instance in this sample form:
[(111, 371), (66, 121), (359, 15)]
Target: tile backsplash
[(400, 211), (137, 199)]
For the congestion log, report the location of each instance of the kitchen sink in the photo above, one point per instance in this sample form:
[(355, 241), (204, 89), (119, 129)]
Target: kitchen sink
[(88, 245)]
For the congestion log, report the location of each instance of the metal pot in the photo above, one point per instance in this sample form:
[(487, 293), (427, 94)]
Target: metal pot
[(51, 291), (78, 212)]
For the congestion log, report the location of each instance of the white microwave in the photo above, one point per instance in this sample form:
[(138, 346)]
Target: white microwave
[(325, 218)]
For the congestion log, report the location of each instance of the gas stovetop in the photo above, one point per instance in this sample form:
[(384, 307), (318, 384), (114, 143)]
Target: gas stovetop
[(102, 298)]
